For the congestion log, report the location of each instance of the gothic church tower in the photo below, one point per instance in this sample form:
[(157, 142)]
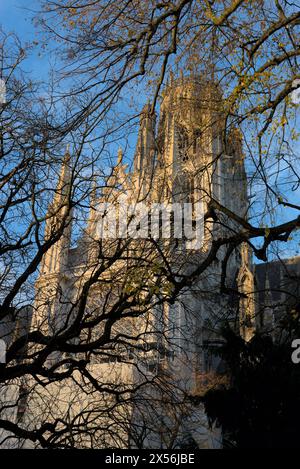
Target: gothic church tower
[(187, 157)]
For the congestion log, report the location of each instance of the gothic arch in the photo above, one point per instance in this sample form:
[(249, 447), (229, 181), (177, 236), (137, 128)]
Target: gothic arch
[(182, 143)]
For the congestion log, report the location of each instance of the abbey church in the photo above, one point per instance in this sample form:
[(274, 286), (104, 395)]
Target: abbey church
[(181, 158)]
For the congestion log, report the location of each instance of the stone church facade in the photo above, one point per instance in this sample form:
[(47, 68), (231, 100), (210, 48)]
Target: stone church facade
[(181, 159)]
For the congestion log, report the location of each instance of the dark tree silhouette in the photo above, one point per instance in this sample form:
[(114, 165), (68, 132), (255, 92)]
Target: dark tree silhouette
[(261, 406)]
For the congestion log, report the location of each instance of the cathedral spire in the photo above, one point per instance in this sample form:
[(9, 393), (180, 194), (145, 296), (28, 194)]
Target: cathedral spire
[(120, 156), (245, 280), (91, 224), (59, 212), (93, 194), (145, 149), (64, 181), (93, 202)]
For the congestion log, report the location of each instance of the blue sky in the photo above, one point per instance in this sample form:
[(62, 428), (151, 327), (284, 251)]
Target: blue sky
[(17, 16)]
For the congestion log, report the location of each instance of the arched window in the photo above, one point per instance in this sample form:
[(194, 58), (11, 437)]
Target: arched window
[(182, 144)]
